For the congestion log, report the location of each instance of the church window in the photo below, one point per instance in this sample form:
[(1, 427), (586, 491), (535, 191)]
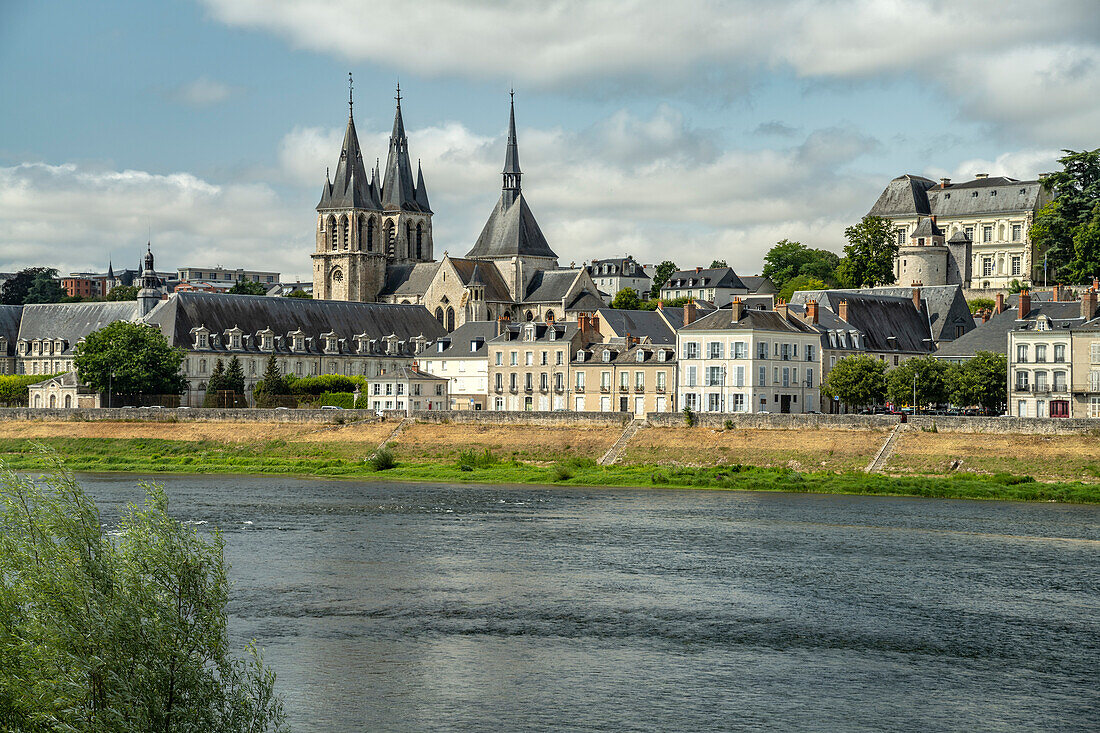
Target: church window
[(333, 233), (450, 325), (439, 315), (347, 237), (337, 275), (419, 241), (549, 316), (529, 316)]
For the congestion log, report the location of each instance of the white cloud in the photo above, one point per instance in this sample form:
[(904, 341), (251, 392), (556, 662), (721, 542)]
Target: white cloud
[(202, 92), (1007, 62)]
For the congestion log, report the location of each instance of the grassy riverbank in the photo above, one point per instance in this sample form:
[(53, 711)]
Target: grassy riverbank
[(349, 460)]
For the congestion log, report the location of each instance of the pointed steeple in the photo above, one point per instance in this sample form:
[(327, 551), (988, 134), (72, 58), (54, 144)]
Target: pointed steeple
[(512, 173), (398, 187), (421, 190), (350, 188)]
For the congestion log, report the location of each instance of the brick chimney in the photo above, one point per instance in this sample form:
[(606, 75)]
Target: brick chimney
[(1025, 303), (984, 315), (1088, 304), (698, 269), (1056, 294), (842, 310), (1000, 306), (783, 309), (945, 182), (916, 295), (594, 323), (811, 311), (689, 312), (502, 324), (737, 309)]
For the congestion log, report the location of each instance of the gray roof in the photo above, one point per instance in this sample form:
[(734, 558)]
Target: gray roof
[(622, 354), (617, 266), (399, 190), (513, 331), (758, 284), (927, 228), (406, 372), (910, 195), (10, 316), (888, 323), (750, 319), (550, 286), (350, 189), (959, 237), (182, 312), (945, 304), (904, 196), (496, 290), (585, 301), (510, 231), (409, 279), (993, 334), (710, 277), (457, 344), (641, 324), (74, 321)]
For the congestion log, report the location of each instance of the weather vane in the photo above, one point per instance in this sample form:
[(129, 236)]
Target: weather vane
[(351, 86), (398, 97)]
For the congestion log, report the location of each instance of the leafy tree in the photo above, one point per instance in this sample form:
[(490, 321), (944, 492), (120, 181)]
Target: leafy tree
[(299, 294), (130, 358), (271, 386), (122, 292), (626, 299), (1086, 248), (117, 634), (802, 282), (856, 381), (718, 263), (869, 254), (1016, 286), (234, 376), (981, 304), (17, 287), (981, 380), (931, 376), (1076, 195), (787, 260), (661, 275), (248, 287), (13, 387), (45, 289)]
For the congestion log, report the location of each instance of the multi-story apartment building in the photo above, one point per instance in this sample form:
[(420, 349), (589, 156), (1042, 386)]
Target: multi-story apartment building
[(463, 359), (226, 276), (613, 275), (407, 389), (717, 285), (747, 360), (624, 376), (973, 234), (529, 362)]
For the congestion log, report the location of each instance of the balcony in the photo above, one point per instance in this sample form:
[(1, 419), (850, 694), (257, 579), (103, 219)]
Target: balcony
[(659, 390), (528, 390), (513, 390), (1022, 388), (579, 388), (605, 388), (639, 388), (624, 387), (499, 390), (559, 389)]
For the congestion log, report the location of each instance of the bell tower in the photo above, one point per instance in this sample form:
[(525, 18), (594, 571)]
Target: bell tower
[(407, 215)]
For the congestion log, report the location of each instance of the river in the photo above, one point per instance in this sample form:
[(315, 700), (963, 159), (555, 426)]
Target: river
[(430, 608)]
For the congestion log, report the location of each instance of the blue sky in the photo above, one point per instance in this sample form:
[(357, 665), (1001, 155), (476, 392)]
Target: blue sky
[(693, 130)]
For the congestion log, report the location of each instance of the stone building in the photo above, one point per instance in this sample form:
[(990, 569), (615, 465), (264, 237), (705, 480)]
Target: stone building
[(63, 391), (463, 358), (624, 375), (612, 275), (529, 363), (974, 234), (50, 332), (408, 390)]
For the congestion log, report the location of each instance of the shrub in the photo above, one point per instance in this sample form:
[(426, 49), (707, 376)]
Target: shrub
[(561, 472), (728, 424), (13, 387), (337, 399), (689, 417), (326, 383), (470, 459), (382, 460)]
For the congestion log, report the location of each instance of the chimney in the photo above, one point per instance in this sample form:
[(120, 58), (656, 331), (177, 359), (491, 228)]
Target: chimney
[(782, 308), (984, 315), (689, 312), (594, 322), (501, 324), (698, 269), (1095, 283), (1088, 304), (1025, 303), (916, 295), (842, 310), (737, 309), (981, 175), (945, 182), (1000, 307), (811, 311)]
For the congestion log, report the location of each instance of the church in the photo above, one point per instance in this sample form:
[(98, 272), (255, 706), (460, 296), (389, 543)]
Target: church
[(374, 244)]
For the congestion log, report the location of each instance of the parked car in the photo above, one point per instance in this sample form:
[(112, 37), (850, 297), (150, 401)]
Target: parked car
[(331, 407)]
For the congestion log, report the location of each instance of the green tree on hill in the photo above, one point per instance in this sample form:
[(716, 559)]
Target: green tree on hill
[(45, 289), (1068, 228), (718, 263), (130, 359), (661, 275), (857, 381), (122, 292), (626, 299), (869, 255), (788, 260), (16, 288), (126, 633), (248, 287), (802, 282)]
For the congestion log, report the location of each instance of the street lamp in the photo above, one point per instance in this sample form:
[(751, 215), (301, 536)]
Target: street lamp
[(110, 384)]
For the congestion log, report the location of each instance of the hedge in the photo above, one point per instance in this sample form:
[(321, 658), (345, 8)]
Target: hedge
[(13, 387)]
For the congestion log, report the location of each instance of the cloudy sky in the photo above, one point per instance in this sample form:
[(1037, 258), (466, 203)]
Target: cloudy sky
[(693, 129)]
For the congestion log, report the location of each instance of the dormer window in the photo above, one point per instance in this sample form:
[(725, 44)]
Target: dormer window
[(606, 355), (640, 356), (529, 333), (552, 334), (580, 355), (662, 355), (235, 341)]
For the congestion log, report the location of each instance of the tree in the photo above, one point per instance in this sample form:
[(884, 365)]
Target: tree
[(17, 287), (788, 260), (1076, 195), (856, 381), (217, 379), (718, 263), (45, 289), (248, 287), (931, 375), (981, 304), (661, 275), (802, 282), (299, 294), (627, 299), (122, 292), (869, 255), (122, 633), (130, 358), (982, 380), (234, 376), (271, 386)]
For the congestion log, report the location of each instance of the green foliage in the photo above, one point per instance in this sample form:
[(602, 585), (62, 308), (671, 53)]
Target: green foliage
[(689, 417), (931, 381), (247, 287), (857, 381), (16, 289), (802, 282), (128, 634), (869, 254), (234, 376), (1066, 228), (326, 383), (337, 399), (299, 294), (626, 299), (470, 459), (122, 292), (13, 387), (382, 460), (271, 386), (677, 302), (130, 358), (45, 289), (728, 424), (661, 274), (980, 304), (1016, 286), (718, 263), (980, 381), (217, 378), (788, 260), (561, 472)]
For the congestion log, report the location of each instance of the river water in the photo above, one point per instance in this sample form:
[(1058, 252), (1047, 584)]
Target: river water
[(431, 608)]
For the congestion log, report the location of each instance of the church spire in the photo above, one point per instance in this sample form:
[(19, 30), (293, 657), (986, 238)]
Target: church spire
[(350, 187), (512, 173), (399, 186)]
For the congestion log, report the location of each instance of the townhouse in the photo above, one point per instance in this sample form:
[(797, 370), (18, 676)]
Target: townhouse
[(529, 362), (463, 359), (624, 375)]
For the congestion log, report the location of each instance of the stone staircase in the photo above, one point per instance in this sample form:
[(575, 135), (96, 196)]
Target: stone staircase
[(879, 461), (613, 452), (405, 422)]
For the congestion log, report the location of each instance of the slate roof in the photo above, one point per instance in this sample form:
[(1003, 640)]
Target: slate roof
[(945, 305), (617, 266), (926, 228), (758, 284), (457, 343), (887, 323), (406, 372), (514, 332), (496, 290), (399, 190), (993, 334), (585, 301), (350, 189), (550, 286), (721, 320), (409, 279), (641, 324), (10, 316), (621, 354), (182, 312), (905, 195), (73, 321), (511, 231), (910, 195), (716, 277)]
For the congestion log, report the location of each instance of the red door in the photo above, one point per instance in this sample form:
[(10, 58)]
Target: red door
[(1059, 408)]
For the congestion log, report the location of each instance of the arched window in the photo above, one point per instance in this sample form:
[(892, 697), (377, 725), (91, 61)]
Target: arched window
[(38, 400), (408, 237), (68, 401), (391, 237), (419, 241), (439, 315), (549, 316), (529, 316), (450, 325), (346, 230), (489, 312), (370, 234), (53, 401), (334, 234)]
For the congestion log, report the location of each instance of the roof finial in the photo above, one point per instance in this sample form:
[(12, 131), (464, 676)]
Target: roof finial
[(398, 97), (351, 87)]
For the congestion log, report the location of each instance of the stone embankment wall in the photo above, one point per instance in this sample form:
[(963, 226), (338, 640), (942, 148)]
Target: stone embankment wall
[(198, 414), (776, 422)]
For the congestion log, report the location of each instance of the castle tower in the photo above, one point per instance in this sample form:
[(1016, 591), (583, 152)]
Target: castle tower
[(349, 261), (149, 294), (407, 217)]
